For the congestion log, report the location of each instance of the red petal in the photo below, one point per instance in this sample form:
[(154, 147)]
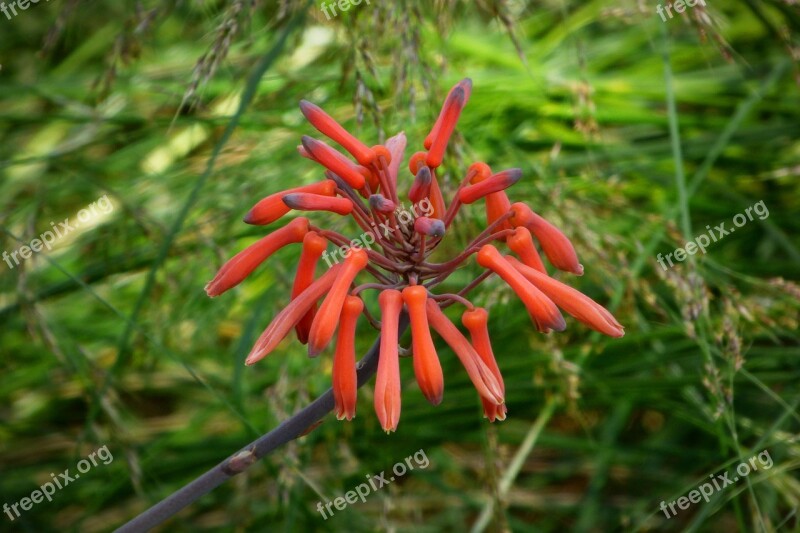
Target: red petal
[(305, 201), (499, 182), (335, 162), (313, 247)]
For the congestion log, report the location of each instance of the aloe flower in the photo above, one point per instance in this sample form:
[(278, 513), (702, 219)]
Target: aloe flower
[(394, 250)]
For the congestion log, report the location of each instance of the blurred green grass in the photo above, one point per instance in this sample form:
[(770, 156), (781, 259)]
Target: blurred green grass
[(706, 374)]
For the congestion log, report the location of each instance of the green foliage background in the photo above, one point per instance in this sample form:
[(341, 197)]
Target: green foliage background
[(633, 134)]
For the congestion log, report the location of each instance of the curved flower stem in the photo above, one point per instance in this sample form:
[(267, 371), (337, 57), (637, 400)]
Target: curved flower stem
[(237, 463)]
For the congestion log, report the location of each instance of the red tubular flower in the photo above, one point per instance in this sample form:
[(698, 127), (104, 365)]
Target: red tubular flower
[(427, 369), (477, 322), (306, 201), (332, 129), (324, 324), (272, 207), (499, 182), (387, 381), (291, 315), (521, 243), (544, 312), (497, 203), (242, 264), (334, 161), (451, 110), (395, 249), (466, 86), (557, 247), (345, 380), (313, 246), (571, 300), (480, 374)]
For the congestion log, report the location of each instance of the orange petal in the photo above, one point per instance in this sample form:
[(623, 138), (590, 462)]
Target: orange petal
[(451, 110), (387, 381), (480, 170), (499, 182), (476, 321), (291, 315), (427, 369), (345, 379), (332, 129), (480, 374), (306, 201), (313, 246), (572, 301), (543, 312), (242, 264), (557, 247), (521, 243), (334, 161), (324, 325), (272, 208)]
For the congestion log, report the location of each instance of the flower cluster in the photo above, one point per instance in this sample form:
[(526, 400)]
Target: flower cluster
[(366, 189)]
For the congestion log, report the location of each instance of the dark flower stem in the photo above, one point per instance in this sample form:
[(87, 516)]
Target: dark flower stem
[(289, 429)]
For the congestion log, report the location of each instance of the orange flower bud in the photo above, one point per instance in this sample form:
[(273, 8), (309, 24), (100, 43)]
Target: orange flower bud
[(324, 325), (543, 312), (272, 208), (572, 301), (332, 129), (427, 369), (291, 315), (480, 374), (432, 227), (557, 247), (499, 182), (416, 162), (334, 161), (451, 110), (387, 381), (476, 321), (345, 379), (421, 187), (521, 243), (313, 246), (242, 264), (305, 201), (466, 86)]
